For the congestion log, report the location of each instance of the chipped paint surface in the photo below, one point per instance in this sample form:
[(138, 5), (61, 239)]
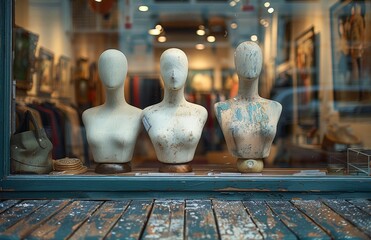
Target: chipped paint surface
[(338, 227), (185, 219), (248, 126), (234, 222)]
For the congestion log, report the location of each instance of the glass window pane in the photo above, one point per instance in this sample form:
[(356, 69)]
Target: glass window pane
[(316, 58)]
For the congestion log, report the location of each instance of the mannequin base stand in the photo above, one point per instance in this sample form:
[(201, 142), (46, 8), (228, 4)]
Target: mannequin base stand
[(113, 168), (247, 165), (175, 168)]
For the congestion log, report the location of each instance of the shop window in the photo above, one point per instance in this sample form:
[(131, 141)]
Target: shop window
[(316, 58)]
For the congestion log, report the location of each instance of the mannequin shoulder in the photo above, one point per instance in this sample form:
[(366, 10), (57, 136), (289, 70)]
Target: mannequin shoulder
[(198, 109), (90, 113), (275, 105), (132, 111), (224, 105), (151, 109)]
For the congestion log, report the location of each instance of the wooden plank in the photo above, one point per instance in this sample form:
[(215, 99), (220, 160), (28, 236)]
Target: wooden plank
[(300, 224), (101, 222), (18, 211), (132, 222), (30, 222), (4, 205), (200, 220), (268, 223), (166, 220), (234, 222), (63, 224), (363, 204), (356, 216), (330, 221)]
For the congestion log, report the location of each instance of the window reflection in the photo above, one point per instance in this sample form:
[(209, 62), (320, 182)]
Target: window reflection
[(316, 58)]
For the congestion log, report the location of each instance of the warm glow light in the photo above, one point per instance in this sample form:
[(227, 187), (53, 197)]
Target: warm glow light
[(154, 32), (161, 39), (232, 4), (267, 4), (158, 27), (266, 24), (200, 32), (201, 27), (98, 0), (254, 38), (200, 46), (143, 8), (270, 10), (234, 25), (211, 39), (237, 1)]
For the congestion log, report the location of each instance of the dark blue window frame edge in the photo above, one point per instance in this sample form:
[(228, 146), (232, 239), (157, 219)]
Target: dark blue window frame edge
[(101, 187)]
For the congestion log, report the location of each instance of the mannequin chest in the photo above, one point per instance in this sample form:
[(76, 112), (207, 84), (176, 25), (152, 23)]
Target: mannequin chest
[(177, 129), (114, 131)]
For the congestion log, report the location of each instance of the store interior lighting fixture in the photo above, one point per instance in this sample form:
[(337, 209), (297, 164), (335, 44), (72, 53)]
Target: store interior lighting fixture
[(210, 39), (200, 46), (143, 8), (267, 4), (254, 38), (271, 10)]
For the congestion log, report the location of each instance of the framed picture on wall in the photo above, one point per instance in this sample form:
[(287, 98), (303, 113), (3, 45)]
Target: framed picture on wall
[(350, 34), (229, 82), (25, 44), (62, 81), (45, 66), (306, 79), (200, 80)]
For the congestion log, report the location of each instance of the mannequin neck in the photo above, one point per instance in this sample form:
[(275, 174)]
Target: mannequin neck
[(115, 97), (174, 97), (248, 88)]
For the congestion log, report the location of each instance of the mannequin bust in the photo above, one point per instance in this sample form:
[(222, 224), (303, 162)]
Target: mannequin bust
[(174, 125), (112, 128), (248, 121)]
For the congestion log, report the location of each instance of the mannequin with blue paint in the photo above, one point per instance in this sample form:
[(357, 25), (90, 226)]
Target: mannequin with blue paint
[(248, 121)]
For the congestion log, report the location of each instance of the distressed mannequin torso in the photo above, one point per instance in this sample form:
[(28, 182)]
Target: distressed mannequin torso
[(248, 121), (174, 125)]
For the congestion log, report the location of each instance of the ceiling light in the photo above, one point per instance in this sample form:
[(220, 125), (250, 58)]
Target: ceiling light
[(254, 38), (154, 32), (266, 24), (161, 39), (234, 25), (143, 8), (270, 10), (158, 27), (200, 46), (267, 4), (211, 39), (232, 4), (201, 27), (237, 1), (98, 0), (200, 32)]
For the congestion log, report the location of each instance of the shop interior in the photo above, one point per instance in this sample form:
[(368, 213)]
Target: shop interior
[(316, 58)]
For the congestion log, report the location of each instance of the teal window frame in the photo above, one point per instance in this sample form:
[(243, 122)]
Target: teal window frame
[(226, 187)]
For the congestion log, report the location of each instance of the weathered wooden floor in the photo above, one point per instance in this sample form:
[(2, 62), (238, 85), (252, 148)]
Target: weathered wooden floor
[(185, 219)]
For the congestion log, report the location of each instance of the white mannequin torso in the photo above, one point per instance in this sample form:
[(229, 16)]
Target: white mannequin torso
[(174, 125), (112, 133), (113, 127)]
